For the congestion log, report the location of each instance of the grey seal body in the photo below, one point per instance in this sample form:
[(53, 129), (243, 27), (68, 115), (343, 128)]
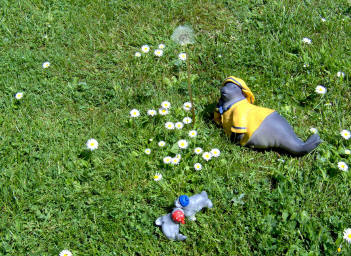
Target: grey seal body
[(274, 131), (169, 227), (196, 203)]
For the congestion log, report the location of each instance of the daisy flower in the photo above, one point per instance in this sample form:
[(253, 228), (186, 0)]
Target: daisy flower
[(166, 104), (145, 48), (65, 253), (175, 160), (161, 46), (158, 52), (147, 151), (182, 56), (163, 111), (167, 159), (187, 120), (328, 104), (161, 143), (306, 65), (137, 54), (134, 113), (347, 235), (207, 156), (192, 134), (343, 166), (313, 130), (92, 144), (340, 74), (198, 151), (157, 176), (169, 125), (182, 144), (46, 64), (187, 106), (152, 112), (345, 134), (197, 166), (178, 156), (215, 152), (347, 152), (183, 35), (320, 89), (19, 95), (323, 20), (179, 125), (306, 40)]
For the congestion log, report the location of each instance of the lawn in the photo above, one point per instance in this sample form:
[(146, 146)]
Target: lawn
[(55, 194)]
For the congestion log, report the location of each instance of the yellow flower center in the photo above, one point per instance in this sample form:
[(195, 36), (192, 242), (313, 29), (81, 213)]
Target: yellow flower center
[(339, 249), (92, 144), (349, 235)]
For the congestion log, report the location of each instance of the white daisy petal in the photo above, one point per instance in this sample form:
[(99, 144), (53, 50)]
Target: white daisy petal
[(163, 111), (306, 40), (343, 166), (187, 120), (313, 130), (46, 64), (145, 48), (183, 144), (161, 143), (182, 56), (175, 160), (187, 106), (207, 156), (347, 235), (134, 113), (179, 125), (320, 89), (345, 134), (198, 151), (158, 52), (166, 104), (167, 159), (92, 144), (192, 134), (197, 166), (169, 125), (65, 253), (157, 177), (152, 112), (19, 95), (215, 152)]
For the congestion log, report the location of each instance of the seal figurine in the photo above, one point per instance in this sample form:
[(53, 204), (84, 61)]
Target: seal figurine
[(192, 205), (255, 126), (170, 224)]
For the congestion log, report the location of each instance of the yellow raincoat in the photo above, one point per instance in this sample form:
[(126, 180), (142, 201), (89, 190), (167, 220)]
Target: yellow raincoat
[(243, 116)]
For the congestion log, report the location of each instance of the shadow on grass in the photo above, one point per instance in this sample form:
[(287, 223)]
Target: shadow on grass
[(85, 154)]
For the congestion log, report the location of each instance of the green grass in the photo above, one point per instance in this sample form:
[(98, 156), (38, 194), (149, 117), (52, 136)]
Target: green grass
[(54, 196)]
